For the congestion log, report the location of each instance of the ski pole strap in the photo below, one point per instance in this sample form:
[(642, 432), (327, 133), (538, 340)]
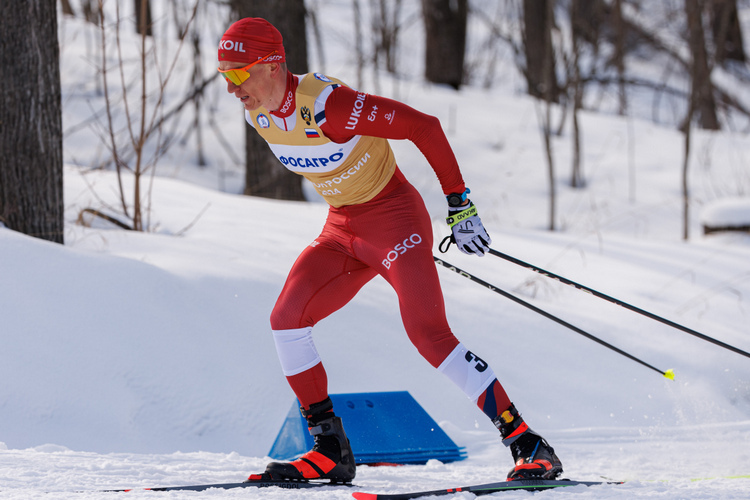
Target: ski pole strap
[(446, 243)]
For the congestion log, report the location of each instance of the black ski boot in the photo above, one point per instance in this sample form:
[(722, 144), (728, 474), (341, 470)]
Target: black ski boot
[(331, 457), (534, 457)]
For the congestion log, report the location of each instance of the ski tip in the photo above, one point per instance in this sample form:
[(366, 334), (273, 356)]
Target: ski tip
[(669, 374), (364, 496)]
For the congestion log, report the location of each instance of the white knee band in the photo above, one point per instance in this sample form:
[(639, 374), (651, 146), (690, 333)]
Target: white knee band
[(469, 372), (296, 350)]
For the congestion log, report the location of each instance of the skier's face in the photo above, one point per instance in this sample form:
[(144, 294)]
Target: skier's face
[(258, 89)]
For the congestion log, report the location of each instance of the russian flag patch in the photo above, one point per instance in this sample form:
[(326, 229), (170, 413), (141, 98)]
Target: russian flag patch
[(311, 133)]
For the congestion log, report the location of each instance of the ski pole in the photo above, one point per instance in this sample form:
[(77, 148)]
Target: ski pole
[(668, 374), (618, 302)]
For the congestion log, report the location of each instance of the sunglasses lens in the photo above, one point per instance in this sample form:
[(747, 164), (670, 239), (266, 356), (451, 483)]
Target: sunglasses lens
[(236, 76)]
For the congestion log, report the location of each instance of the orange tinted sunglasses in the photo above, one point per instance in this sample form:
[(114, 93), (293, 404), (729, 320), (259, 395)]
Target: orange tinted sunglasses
[(238, 75)]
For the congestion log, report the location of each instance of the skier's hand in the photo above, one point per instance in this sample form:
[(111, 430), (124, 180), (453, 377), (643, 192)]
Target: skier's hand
[(469, 234)]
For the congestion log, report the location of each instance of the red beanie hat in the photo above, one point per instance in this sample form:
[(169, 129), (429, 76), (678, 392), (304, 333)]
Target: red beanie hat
[(250, 39)]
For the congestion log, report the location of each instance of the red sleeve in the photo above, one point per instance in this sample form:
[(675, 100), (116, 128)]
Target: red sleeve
[(349, 113)]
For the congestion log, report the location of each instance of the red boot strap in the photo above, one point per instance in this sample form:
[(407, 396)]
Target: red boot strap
[(515, 434), (313, 465), (536, 464)]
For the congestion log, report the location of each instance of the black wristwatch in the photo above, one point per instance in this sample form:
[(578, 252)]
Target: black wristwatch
[(457, 199)]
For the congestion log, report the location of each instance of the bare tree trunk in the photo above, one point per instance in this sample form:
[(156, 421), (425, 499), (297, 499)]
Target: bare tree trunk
[(587, 18), (31, 173), (67, 9), (144, 23), (702, 94), (727, 32), (685, 165), (619, 56), (358, 45), (312, 15), (538, 17), (445, 30), (583, 29), (91, 11), (198, 100), (386, 27), (264, 175), (545, 121)]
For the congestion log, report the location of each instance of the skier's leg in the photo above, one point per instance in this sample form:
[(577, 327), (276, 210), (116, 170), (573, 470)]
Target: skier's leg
[(323, 279), (533, 456), (413, 275)]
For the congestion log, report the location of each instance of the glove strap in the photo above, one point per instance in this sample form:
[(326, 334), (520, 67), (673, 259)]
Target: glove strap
[(454, 219)]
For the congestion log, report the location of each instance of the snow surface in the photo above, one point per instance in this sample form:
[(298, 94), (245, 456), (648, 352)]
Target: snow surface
[(727, 212), (145, 359)]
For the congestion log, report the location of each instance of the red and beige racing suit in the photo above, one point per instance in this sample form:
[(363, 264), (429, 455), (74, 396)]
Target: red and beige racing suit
[(377, 223)]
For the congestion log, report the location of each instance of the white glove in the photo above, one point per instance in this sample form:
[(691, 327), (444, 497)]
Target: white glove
[(469, 234)]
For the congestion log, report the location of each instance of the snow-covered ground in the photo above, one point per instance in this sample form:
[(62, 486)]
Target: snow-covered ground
[(145, 359)]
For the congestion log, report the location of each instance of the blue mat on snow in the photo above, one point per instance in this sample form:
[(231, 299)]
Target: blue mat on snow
[(382, 427)]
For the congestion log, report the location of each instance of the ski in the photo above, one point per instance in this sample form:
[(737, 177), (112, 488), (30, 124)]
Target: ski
[(255, 481), (485, 489)]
